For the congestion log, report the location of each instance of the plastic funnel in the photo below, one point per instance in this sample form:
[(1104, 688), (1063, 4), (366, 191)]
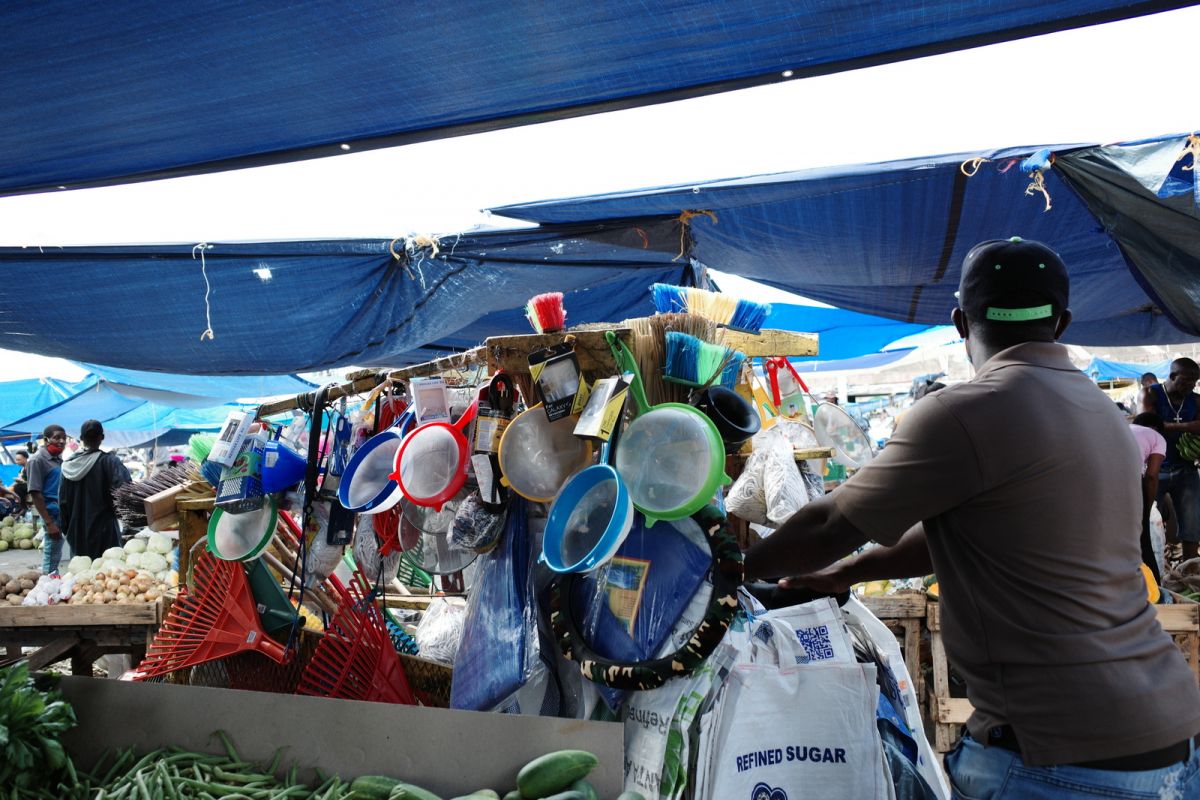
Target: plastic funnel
[(282, 467)]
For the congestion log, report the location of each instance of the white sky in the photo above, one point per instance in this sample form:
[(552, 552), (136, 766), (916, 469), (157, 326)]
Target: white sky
[(1122, 81)]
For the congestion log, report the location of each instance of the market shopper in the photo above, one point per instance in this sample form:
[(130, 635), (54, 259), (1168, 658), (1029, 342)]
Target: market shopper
[(89, 516), (20, 484), (1176, 403), (1020, 488), (1147, 430), (44, 472)]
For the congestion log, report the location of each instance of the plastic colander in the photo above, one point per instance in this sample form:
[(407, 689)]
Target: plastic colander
[(537, 456), (367, 486), (431, 464)]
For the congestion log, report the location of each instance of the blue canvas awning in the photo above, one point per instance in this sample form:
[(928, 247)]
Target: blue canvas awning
[(889, 239), (1104, 370), (281, 307), (97, 93)]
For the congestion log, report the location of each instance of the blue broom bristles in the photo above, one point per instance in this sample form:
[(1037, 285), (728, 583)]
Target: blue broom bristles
[(668, 299), (749, 316), (682, 358), (733, 371)]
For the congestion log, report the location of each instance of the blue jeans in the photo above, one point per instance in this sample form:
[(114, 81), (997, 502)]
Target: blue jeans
[(993, 773), (52, 549), (1183, 484)]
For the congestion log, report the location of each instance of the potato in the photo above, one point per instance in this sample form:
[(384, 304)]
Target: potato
[(26, 584), (4, 578), (15, 599), (12, 587), (31, 575)]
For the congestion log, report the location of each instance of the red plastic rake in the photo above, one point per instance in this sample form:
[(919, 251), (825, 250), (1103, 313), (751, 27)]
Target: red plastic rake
[(216, 620), (356, 659)]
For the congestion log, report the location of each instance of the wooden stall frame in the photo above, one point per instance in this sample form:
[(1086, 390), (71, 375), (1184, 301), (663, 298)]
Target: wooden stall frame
[(81, 632), (948, 714)]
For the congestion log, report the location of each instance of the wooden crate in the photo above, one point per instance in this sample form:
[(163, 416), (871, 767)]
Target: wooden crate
[(904, 614), (948, 713)]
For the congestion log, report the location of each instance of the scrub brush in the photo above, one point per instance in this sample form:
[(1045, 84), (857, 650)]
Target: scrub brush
[(546, 313), (693, 362), (738, 314), (668, 299)]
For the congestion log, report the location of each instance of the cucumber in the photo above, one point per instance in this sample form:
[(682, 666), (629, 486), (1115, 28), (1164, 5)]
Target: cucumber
[(373, 787), (585, 789), (380, 787), (513, 795), (554, 772)]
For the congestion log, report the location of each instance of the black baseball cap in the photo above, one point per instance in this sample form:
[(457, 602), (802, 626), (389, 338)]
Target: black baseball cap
[(1013, 280)]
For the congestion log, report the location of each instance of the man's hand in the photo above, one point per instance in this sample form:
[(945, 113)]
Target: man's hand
[(53, 531), (831, 580)]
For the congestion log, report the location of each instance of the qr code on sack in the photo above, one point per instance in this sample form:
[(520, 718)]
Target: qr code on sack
[(815, 642)]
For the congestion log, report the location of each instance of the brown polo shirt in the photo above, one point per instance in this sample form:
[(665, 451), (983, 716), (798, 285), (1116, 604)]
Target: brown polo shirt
[(1026, 480)]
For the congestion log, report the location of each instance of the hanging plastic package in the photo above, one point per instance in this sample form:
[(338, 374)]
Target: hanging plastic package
[(747, 498), (499, 643), (798, 658), (783, 485), (632, 604)]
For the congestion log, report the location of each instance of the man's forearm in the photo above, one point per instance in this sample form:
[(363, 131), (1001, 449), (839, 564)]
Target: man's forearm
[(908, 558), (814, 537)]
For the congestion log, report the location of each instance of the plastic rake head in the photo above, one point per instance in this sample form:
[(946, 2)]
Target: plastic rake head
[(219, 618), (356, 659)]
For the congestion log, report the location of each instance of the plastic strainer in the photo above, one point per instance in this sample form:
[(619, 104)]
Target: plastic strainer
[(589, 520), (671, 456), (367, 486), (241, 537), (431, 464), (537, 455)]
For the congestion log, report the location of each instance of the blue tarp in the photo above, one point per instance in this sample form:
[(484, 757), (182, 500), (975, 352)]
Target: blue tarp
[(19, 399), (843, 334), (889, 239), (104, 92), (196, 391), (284, 307), (1100, 369), (871, 361)]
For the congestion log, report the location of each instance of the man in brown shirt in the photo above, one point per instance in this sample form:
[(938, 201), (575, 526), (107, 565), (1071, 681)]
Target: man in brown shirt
[(1020, 489)]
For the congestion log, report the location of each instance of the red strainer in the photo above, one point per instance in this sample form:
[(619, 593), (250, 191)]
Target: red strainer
[(215, 620), (431, 464)]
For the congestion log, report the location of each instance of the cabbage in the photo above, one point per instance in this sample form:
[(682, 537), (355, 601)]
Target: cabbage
[(133, 560), (135, 546), (153, 562), (114, 554), (160, 544), (79, 564)]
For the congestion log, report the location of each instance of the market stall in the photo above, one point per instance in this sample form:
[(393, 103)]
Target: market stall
[(548, 526)]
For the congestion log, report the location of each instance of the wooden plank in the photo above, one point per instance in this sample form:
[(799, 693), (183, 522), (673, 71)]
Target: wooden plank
[(50, 653), (933, 616), (468, 358), (355, 386), (951, 710), (1179, 618), (770, 342), (896, 606), (196, 504), (81, 615), (511, 353)]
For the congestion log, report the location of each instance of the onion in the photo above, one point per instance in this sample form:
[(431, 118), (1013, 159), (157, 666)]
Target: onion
[(112, 584)]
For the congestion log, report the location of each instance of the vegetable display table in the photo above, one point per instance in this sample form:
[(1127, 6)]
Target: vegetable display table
[(82, 633)]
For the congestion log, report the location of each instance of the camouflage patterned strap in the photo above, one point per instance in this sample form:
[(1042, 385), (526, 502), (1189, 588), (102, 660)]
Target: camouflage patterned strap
[(727, 575)]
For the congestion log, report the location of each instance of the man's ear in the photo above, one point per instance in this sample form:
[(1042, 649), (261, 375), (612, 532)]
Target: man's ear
[(960, 322), (1060, 327)]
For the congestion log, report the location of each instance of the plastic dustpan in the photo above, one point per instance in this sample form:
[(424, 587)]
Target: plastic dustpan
[(216, 620), (274, 611)]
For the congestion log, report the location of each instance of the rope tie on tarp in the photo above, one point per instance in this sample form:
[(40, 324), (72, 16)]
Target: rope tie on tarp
[(1037, 165), (972, 165), (208, 332), (414, 254), (685, 225), (1192, 147)]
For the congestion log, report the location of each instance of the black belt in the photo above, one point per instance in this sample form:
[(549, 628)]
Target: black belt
[(1004, 737)]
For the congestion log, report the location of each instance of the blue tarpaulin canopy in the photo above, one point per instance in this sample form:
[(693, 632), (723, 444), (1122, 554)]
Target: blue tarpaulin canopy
[(1103, 370), (97, 93), (889, 239)]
